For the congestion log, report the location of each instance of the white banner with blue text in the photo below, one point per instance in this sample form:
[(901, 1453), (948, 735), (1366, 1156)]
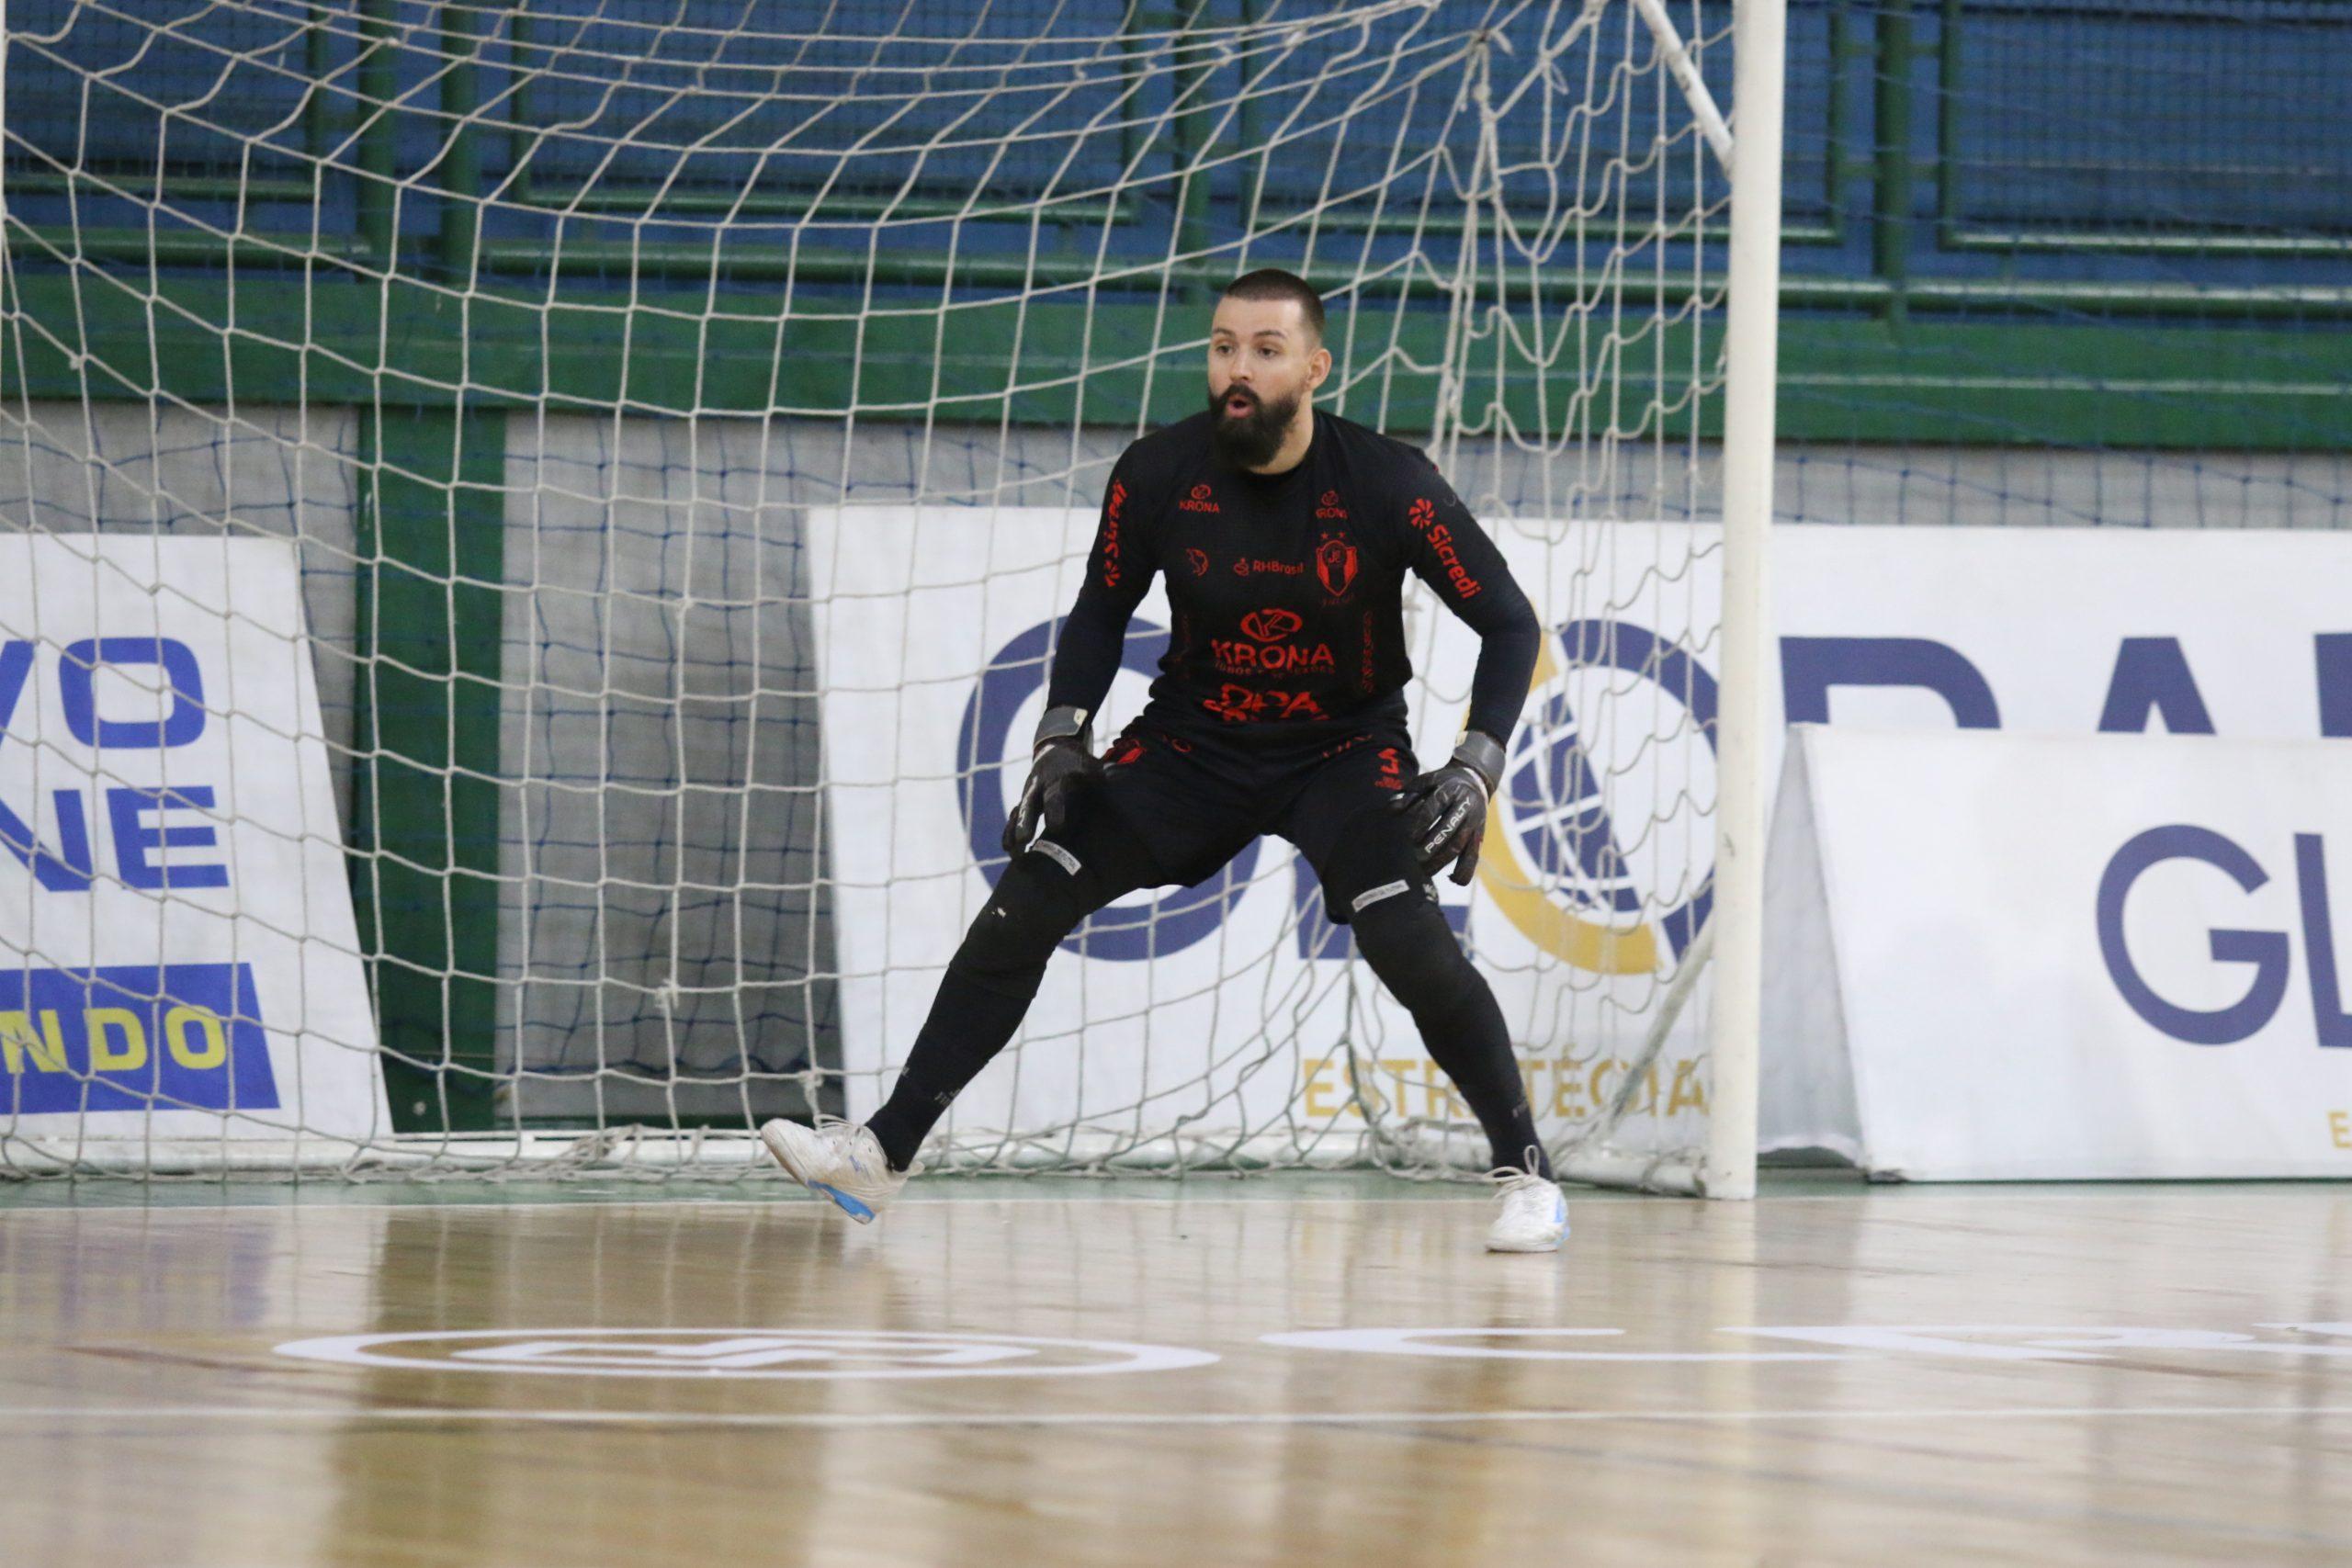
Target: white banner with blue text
[(2077, 957), (1226, 1008), (178, 960)]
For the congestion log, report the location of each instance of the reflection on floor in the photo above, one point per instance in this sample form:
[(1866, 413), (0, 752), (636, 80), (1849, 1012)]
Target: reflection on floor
[(1297, 1370)]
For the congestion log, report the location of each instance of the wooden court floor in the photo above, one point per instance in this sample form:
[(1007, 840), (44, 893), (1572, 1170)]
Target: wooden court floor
[(1293, 1371)]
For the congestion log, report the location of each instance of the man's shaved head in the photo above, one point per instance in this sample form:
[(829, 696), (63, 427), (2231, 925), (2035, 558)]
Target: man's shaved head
[(1274, 283)]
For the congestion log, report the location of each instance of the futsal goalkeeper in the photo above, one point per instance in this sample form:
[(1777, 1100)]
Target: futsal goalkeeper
[(1285, 535)]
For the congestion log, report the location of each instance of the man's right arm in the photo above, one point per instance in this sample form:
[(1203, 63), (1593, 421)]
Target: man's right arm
[(1085, 655)]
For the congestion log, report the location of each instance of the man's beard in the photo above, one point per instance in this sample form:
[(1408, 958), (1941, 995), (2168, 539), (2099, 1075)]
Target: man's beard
[(1249, 440)]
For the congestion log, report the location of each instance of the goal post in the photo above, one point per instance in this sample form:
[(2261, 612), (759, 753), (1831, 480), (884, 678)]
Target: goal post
[(1751, 377), (615, 472), (1728, 951)]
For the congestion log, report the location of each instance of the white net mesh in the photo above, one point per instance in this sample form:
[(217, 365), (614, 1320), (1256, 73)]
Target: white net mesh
[(680, 424)]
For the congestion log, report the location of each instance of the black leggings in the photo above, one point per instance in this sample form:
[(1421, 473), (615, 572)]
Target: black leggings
[(1413, 950), (1048, 891)]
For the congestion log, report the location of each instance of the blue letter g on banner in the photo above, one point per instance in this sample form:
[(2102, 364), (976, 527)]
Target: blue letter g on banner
[(2267, 951)]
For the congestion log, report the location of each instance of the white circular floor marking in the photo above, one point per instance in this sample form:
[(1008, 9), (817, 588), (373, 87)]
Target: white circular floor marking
[(703, 1353), (1994, 1342), (1527, 1345)]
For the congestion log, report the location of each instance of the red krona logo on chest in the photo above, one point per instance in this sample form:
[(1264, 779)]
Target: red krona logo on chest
[(1271, 626), (1269, 649), (1201, 500), (1335, 564)]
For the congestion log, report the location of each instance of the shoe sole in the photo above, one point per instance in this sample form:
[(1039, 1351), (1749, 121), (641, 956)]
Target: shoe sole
[(782, 1155), (1553, 1245)]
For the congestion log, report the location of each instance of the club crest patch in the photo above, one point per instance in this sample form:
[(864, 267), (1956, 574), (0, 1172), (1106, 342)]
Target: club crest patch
[(1335, 565)]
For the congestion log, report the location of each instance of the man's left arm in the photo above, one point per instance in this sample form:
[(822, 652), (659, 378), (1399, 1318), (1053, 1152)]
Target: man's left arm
[(1450, 552)]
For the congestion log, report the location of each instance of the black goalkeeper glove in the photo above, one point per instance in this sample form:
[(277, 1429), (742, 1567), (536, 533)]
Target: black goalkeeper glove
[(1062, 763), (1445, 812)]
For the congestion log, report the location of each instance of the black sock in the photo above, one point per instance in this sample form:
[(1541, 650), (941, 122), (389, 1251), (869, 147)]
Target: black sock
[(996, 971), (1409, 946), (969, 1023), (1509, 1123), (1472, 1046)]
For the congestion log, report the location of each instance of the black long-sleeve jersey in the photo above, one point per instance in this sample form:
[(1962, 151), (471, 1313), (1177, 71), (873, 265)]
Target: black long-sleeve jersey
[(1287, 590)]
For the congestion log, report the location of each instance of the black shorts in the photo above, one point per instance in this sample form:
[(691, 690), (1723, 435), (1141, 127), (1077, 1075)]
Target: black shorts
[(1182, 807)]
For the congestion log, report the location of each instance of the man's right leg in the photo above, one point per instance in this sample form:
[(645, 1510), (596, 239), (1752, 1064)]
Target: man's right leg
[(1158, 814), (1045, 893)]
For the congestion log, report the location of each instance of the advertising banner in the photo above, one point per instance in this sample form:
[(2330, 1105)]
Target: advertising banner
[(178, 954), (2060, 957), (933, 629)]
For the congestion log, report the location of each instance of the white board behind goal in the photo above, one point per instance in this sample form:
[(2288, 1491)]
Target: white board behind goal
[(181, 967)]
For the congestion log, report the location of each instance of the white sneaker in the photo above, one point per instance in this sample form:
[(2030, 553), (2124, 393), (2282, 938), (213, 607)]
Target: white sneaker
[(839, 1161), (1533, 1217)]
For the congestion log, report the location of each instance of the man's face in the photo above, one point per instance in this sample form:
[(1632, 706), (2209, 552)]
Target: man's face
[(1263, 361)]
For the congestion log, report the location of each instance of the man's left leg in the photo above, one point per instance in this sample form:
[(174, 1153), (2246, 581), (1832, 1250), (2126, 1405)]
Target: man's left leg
[(1346, 822), (1406, 941)]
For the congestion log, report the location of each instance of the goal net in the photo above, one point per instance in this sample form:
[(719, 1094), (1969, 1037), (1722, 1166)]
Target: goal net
[(537, 531)]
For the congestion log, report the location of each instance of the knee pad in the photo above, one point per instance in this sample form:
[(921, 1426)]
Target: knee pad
[(1372, 864), (1413, 950), (1037, 903)]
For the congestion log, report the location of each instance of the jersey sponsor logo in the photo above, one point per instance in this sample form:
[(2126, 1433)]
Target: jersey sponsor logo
[(1201, 500), (1335, 565), (1111, 533), (1247, 567), (1367, 679), (1270, 628), (1238, 657), (1330, 510), (1240, 704), (1199, 561), (1271, 625), (1422, 515)]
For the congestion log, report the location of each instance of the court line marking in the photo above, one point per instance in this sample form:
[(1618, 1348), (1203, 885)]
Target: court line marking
[(1125, 1418)]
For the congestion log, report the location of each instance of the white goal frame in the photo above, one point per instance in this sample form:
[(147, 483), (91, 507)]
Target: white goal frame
[(1751, 376), (1728, 949), (1731, 943)]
